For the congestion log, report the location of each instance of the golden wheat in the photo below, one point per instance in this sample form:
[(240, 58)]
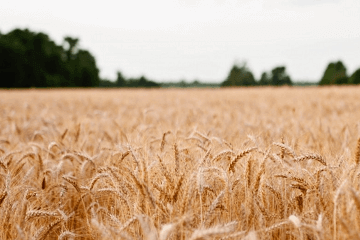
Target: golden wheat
[(251, 163)]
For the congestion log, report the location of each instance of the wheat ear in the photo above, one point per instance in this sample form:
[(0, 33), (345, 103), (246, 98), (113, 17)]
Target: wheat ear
[(96, 178), (203, 160), (177, 189), (39, 213), (163, 141), (66, 235), (238, 157), (212, 232), (357, 152), (165, 172), (42, 234), (72, 182), (3, 165), (176, 153), (316, 157), (284, 147), (278, 196), (2, 197), (221, 155), (213, 205)]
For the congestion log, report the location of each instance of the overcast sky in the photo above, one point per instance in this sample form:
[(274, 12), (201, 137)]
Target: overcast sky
[(199, 39)]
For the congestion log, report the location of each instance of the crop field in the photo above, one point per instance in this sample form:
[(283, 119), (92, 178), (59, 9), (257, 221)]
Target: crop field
[(246, 163)]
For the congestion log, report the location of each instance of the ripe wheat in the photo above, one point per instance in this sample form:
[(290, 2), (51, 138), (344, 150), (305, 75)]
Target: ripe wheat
[(254, 163)]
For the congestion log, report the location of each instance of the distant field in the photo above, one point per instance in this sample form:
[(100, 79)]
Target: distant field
[(248, 163)]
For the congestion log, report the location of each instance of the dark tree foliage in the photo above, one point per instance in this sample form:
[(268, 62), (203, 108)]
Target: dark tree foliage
[(86, 73), (72, 46), (276, 77), (29, 59), (120, 81), (355, 77), (239, 75), (107, 83), (194, 84), (280, 77), (335, 73), (141, 82), (265, 79)]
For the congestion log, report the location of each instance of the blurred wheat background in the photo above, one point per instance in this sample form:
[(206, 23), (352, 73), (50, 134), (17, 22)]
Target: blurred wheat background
[(248, 163)]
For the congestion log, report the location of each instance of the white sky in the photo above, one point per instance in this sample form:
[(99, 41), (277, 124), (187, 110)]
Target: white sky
[(199, 39)]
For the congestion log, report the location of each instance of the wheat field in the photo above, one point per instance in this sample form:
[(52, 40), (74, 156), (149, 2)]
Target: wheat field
[(247, 163)]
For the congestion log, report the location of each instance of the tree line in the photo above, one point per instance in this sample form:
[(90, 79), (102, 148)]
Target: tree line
[(29, 59), (123, 82), (335, 73), (32, 59), (240, 75)]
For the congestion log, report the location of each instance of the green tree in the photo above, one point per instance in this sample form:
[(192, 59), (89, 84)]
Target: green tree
[(146, 83), (87, 74), (29, 59), (280, 77), (141, 82), (239, 75), (72, 46), (73, 64), (107, 83), (265, 79), (355, 77), (335, 73), (120, 80), (12, 63)]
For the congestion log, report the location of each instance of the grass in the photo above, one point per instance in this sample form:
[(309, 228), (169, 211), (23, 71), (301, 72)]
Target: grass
[(254, 163)]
